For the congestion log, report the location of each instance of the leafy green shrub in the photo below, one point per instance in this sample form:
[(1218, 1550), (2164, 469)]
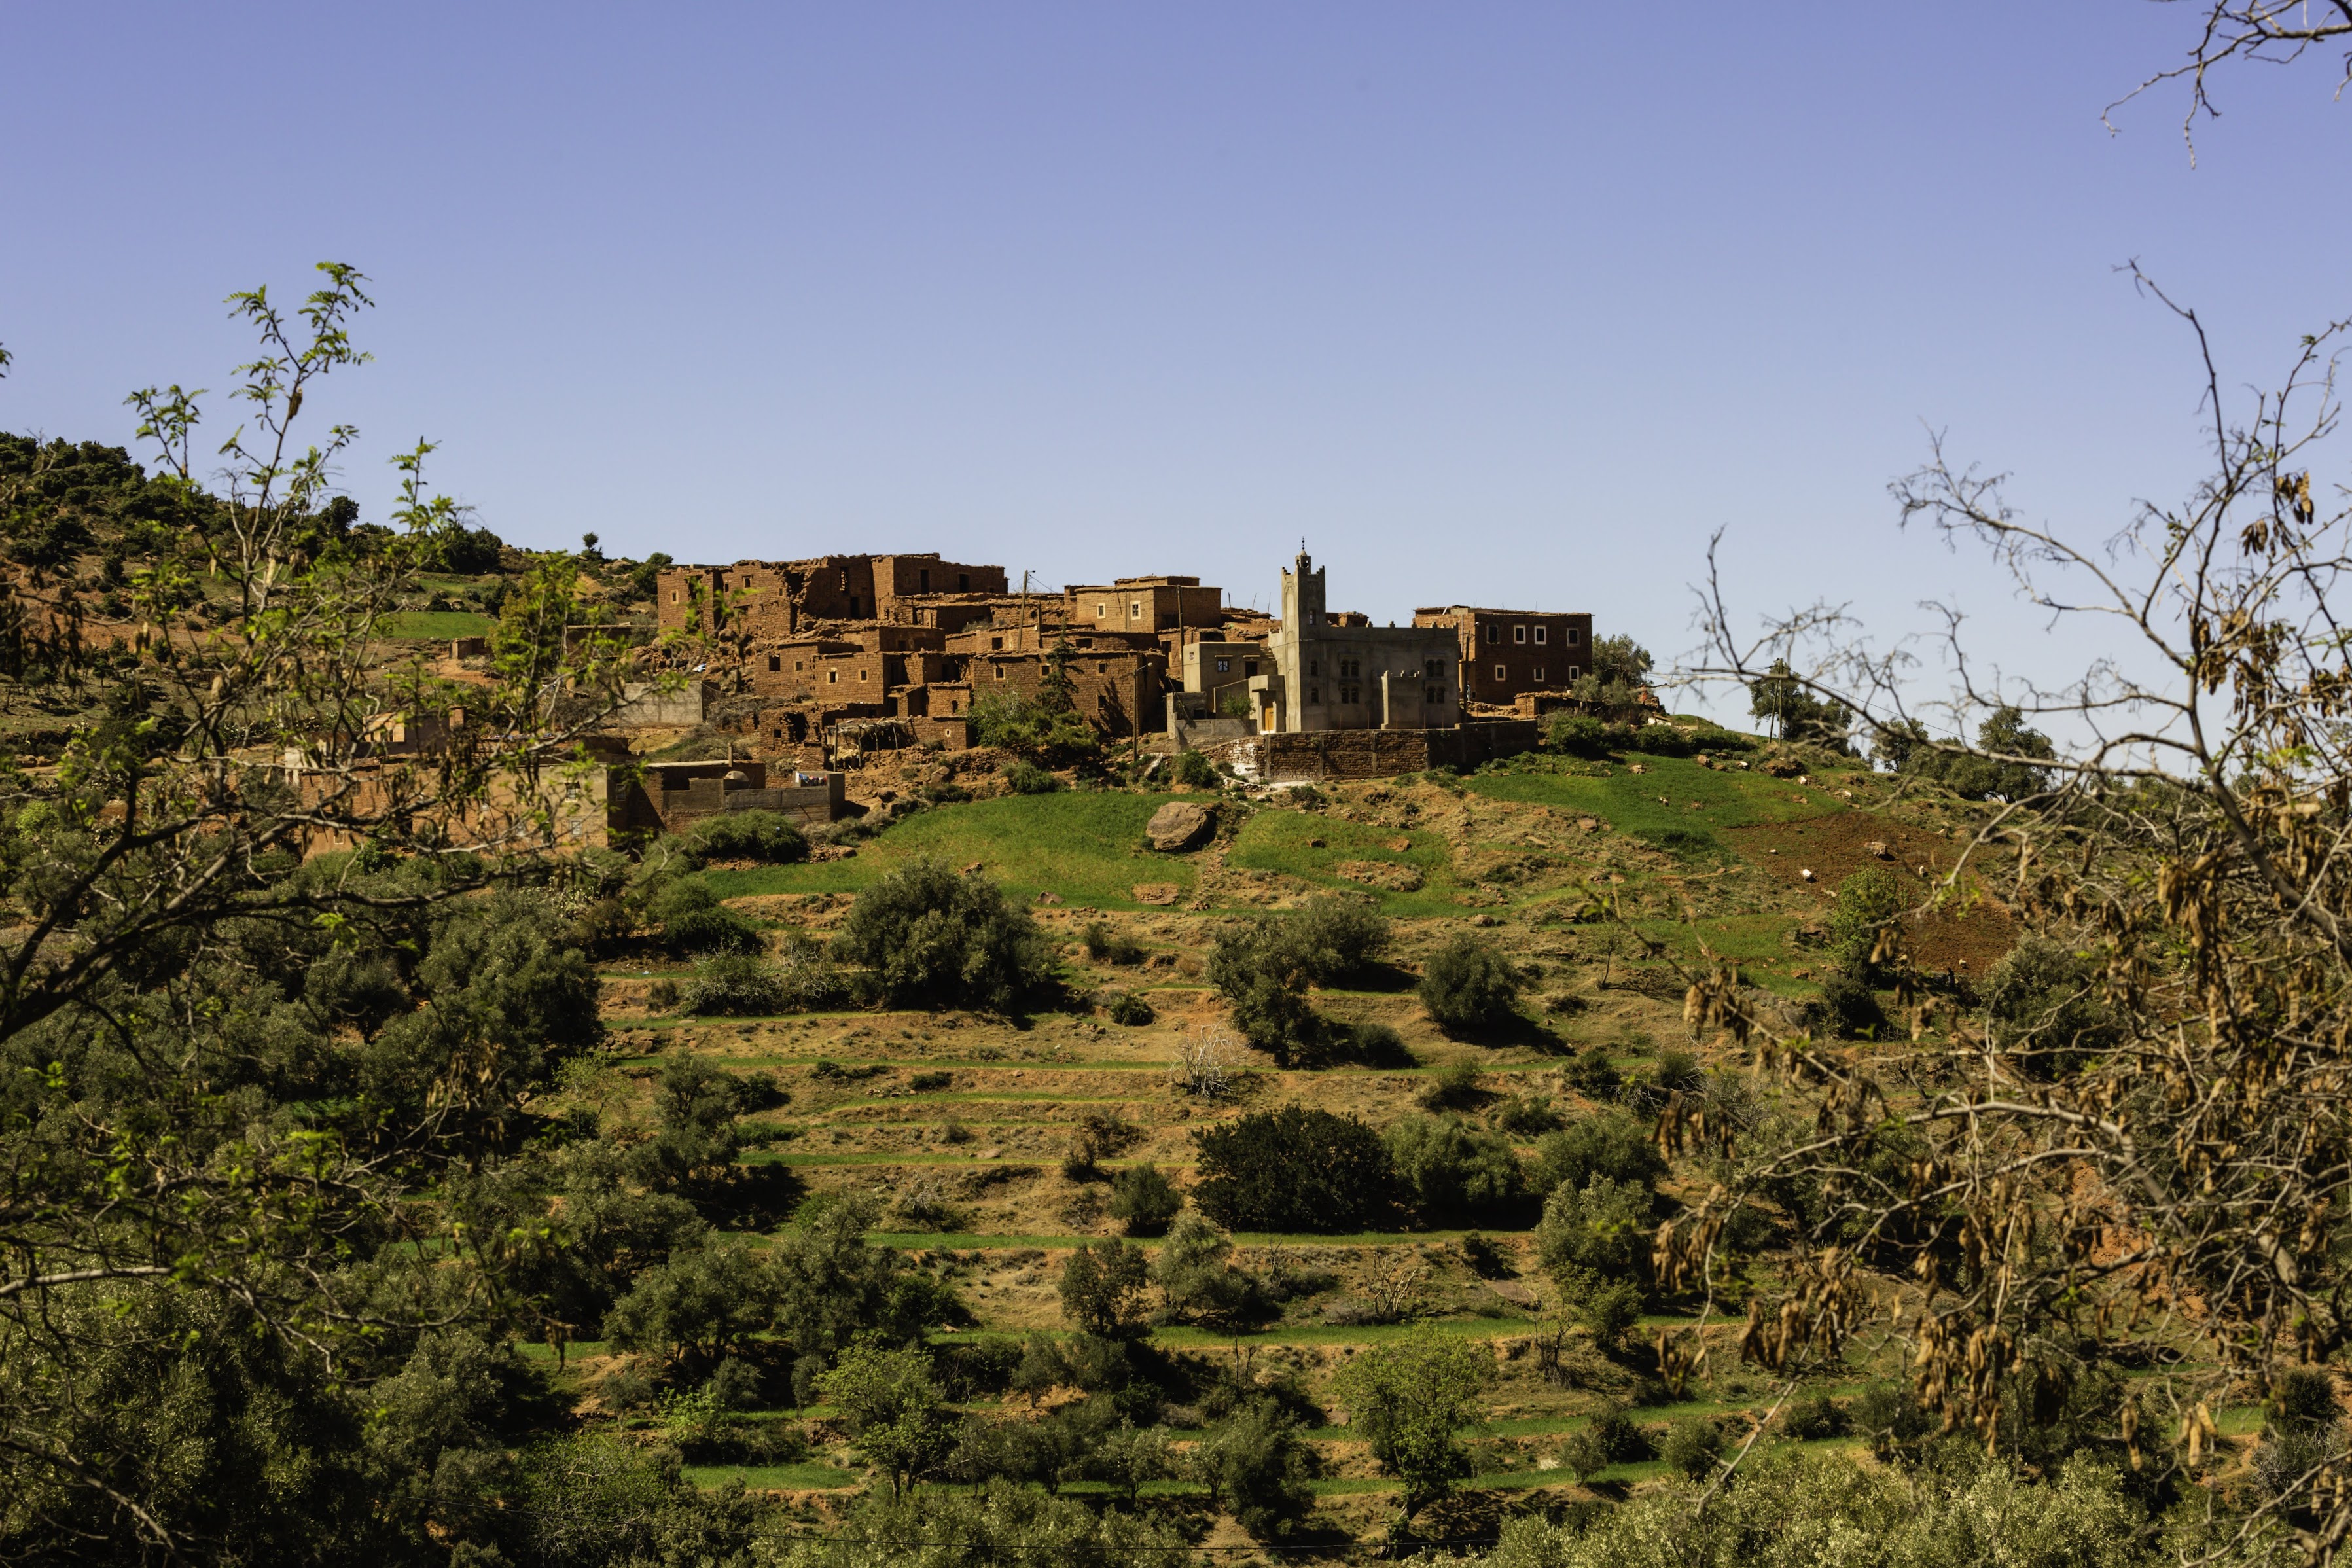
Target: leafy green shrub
[(1102, 1291), (929, 1083), (1470, 985), (1126, 1007), (689, 918), (1849, 1009), (1409, 1399), (1592, 1074), (1143, 1200), (1196, 1275), (1447, 1171), (2044, 1008), (1811, 1420), (1609, 1309), (1454, 1087), (662, 995), (1337, 938), (1106, 945), (1192, 769), (1693, 1446), (1600, 1229), (1484, 1258), (1380, 1046), (1293, 1170), (1025, 777), (1867, 903), (1263, 976), (1581, 735), (1527, 1115), (1258, 1465), (1610, 1143), (767, 837), (735, 984), (1661, 740), (926, 934), (1582, 1453), (1033, 727)]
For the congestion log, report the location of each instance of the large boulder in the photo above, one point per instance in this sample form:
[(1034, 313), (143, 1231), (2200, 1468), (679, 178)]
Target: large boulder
[(1179, 824)]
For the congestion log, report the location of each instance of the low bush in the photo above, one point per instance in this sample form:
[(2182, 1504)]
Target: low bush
[(1867, 905), (1337, 938), (1662, 741), (1612, 1143), (1527, 1115), (737, 985), (1143, 1200), (1263, 977), (662, 995), (1106, 945), (1449, 1172), (1470, 985), (1595, 1233), (1192, 770), (1380, 1046), (766, 836), (1025, 777), (1126, 1007), (1592, 1074), (927, 1082), (1693, 1446), (686, 917), (1810, 1420), (1454, 1087), (1849, 1009), (928, 934), (1293, 1170)]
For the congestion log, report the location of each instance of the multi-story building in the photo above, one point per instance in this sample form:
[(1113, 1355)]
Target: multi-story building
[(1340, 672), (1159, 603), (778, 598), (1504, 653)]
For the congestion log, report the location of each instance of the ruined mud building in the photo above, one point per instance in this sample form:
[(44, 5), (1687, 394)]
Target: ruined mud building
[(829, 657)]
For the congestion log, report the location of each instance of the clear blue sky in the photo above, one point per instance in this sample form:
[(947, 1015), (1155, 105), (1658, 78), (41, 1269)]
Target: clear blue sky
[(1504, 303)]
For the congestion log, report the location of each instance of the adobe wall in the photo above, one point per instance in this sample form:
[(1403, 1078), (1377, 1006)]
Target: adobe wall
[(1334, 755)]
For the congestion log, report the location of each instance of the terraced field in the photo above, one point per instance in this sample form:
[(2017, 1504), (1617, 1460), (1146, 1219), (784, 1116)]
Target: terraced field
[(959, 1124)]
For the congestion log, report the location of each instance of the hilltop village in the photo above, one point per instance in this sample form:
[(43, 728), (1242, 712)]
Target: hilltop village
[(827, 660)]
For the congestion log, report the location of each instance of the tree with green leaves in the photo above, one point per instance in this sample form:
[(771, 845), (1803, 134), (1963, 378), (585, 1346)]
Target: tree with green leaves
[(1102, 1291), (897, 1418), (1410, 1400)]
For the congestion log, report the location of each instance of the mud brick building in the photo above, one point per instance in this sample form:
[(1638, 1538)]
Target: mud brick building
[(1507, 653), (1329, 671), (778, 598)]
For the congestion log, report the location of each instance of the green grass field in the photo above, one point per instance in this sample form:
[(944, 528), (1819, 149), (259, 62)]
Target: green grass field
[(1288, 842), (1697, 800), (1087, 846), (435, 624)]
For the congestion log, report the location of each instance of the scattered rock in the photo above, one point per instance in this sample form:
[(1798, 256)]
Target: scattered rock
[(1511, 1290), (1158, 894), (1636, 768), (1178, 825), (1784, 768), (1484, 920), (1386, 874), (1400, 845), (973, 869), (1877, 847), (1588, 825), (1314, 844), (1049, 898), (1806, 872)]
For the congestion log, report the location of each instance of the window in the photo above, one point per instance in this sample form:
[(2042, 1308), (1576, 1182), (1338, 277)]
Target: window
[(1575, 671), (798, 665), (1575, 636), (923, 581), (844, 582), (775, 662), (1249, 667), (1494, 633), (1224, 665), (1502, 674), (1435, 668), (1436, 694), (1310, 617), (1540, 675), (1101, 669), (964, 582), (675, 596), (1543, 634), (999, 673), (1101, 610), (853, 605), (832, 677), (1518, 633), (1314, 695), (861, 675), (995, 643)]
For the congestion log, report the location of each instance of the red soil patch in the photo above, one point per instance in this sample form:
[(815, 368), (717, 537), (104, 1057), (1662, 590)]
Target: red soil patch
[(1967, 944)]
